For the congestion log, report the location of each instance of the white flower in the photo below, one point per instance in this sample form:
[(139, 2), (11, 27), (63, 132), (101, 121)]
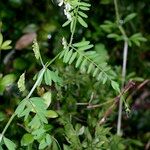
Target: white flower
[(60, 2), (67, 14), (64, 42), (67, 7)]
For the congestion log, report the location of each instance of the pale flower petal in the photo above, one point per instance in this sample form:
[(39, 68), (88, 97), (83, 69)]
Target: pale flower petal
[(68, 7), (60, 2), (64, 42)]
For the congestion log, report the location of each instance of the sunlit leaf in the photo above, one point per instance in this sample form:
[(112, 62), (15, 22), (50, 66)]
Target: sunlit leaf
[(115, 86), (27, 139), (9, 144), (82, 43), (51, 114), (1, 39), (82, 22), (130, 17), (47, 98)]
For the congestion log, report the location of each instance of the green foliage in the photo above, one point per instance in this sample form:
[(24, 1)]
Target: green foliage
[(6, 81), (9, 144), (63, 108), (4, 45), (88, 61), (110, 27), (27, 139)]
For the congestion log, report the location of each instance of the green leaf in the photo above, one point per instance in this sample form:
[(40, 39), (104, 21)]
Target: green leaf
[(38, 103), (69, 54), (113, 35), (90, 68), (85, 4), (81, 131), (43, 144), (130, 17), (82, 43), (25, 113), (62, 54), (100, 76), (36, 49), (8, 80), (21, 83), (104, 79), (47, 77), (72, 25), (115, 86), (84, 8), (35, 122), (21, 107), (48, 139), (2, 117), (9, 144), (6, 45), (82, 14), (51, 114), (65, 54), (95, 72), (66, 147), (79, 61), (55, 77), (1, 148), (84, 63), (1, 40), (27, 139), (39, 108), (38, 133), (66, 23), (72, 58), (82, 22), (85, 47), (39, 76), (47, 98)]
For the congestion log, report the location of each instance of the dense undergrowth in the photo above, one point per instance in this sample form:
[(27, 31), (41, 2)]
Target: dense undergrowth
[(62, 84)]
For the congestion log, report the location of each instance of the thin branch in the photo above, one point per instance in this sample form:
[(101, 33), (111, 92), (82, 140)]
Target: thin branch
[(129, 86), (6, 127), (125, 53)]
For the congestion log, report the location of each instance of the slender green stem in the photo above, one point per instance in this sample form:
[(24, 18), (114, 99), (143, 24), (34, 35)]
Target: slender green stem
[(118, 21), (41, 60), (125, 52), (56, 142), (36, 83), (74, 27), (50, 62), (6, 127), (116, 11)]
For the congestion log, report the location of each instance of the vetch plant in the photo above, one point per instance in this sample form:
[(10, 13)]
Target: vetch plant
[(112, 29), (35, 110), (84, 58), (34, 106)]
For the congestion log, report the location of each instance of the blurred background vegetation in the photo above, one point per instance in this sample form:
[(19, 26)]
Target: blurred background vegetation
[(21, 20)]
